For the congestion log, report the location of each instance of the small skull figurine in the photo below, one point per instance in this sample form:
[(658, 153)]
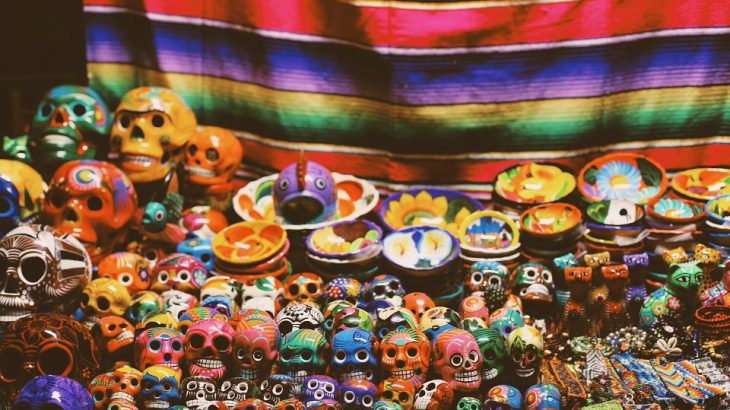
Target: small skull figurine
[(351, 318), (99, 389), (200, 248), (437, 320), (104, 296), (143, 303), (504, 397), (276, 388), (435, 394), (93, 201), (54, 392), (505, 321), (179, 271), (304, 286), (542, 396), (331, 310), (348, 289), (525, 350), (268, 287), (44, 270), (534, 282), (358, 394), (490, 280), (128, 268), (198, 390), (208, 348), (385, 287), (202, 222), (255, 346), (176, 301), (302, 353), (299, 316), (398, 391), (235, 390), (304, 193), (211, 159), (494, 352), (405, 356), (115, 337), (160, 387), (354, 355), (126, 384), (458, 360), (418, 303), (316, 388), (469, 403), (158, 346)]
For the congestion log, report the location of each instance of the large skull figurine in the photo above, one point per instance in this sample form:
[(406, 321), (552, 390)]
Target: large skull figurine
[(114, 336), (160, 387), (494, 352), (41, 270), (435, 394), (126, 384), (46, 344), (302, 353), (525, 350), (179, 271), (304, 192), (457, 359), (53, 392), (93, 201), (354, 355), (405, 355), (71, 122), (208, 348), (255, 346), (128, 268), (211, 159), (151, 126), (158, 346), (104, 296)]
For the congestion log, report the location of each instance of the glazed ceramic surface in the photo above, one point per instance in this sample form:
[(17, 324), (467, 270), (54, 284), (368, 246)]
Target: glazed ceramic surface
[(534, 183), (675, 210), (550, 219), (623, 176), (488, 230), (615, 212), (420, 247), (345, 239), (718, 209), (702, 183), (428, 206), (248, 242)]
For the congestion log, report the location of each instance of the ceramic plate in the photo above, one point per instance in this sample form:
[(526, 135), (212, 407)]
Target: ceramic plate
[(623, 176), (248, 242), (702, 183), (489, 231), (344, 239), (534, 183), (355, 198), (550, 219), (427, 206), (615, 212), (420, 247)]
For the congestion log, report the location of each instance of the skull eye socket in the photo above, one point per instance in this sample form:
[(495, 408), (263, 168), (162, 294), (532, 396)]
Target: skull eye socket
[(196, 340), (258, 355), (312, 384), (403, 397), (211, 154), (547, 277), (124, 121), (167, 385), (285, 327), (362, 355), (158, 120), (11, 364), (473, 356), (183, 275), (192, 149), (99, 395), (294, 289), (6, 207), (349, 397), (102, 303), (531, 273), (163, 276), (311, 288), (394, 285), (340, 355), (388, 395), (495, 281), (79, 110), (32, 268), (55, 359), (320, 183), (306, 355), (56, 198), (221, 343), (94, 203), (329, 387), (125, 279), (277, 390), (240, 354), (191, 386), (367, 400), (286, 354), (412, 352), (456, 360), (154, 345), (46, 110), (209, 388), (390, 352), (476, 278), (489, 354)]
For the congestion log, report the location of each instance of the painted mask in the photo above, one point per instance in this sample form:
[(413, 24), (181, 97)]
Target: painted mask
[(128, 268), (151, 126), (212, 156), (208, 348), (418, 303), (198, 391), (525, 350), (494, 351), (304, 193), (358, 394), (299, 316), (255, 346), (9, 206), (179, 271), (354, 355), (304, 286), (319, 388), (534, 282), (351, 318), (542, 396), (276, 388), (158, 346), (160, 387), (236, 389), (199, 248), (398, 391), (504, 321), (71, 122), (99, 389), (176, 301), (504, 397), (53, 392), (44, 270), (435, 394), (348, 289), (104, 296), (143, 304), (385, 287), (303, 353), (437, 320), (457, 359), (684, 279), (405, 356), (189, 316)]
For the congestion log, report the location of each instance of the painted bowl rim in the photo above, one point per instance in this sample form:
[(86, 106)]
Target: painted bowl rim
[(274, 250), (616, 156), (572, 207), (712, 216), (494, 214), (654, 214), (499, 198), (688, 194), (343, 255)]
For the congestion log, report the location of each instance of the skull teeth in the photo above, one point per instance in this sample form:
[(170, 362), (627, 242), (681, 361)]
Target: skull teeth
[(249, 374), (524, 372), (489, 374), (467, 377), (403, 374), (57, 139), (156, 404), (298, 375), (125, 335), (209, 363), (199, 171), (138, 159), (357, 376), (123, 396), (172, 365)]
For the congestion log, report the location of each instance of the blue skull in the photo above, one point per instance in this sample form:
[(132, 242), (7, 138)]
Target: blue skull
[(542, 396), (319, 388), (221, 303), (358, 394), (9, 206), (354, 355), (56, 392), (160, 387), (200, 248)]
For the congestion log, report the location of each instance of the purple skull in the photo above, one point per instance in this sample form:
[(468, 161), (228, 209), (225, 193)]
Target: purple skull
[(56, 392), (304, 193), (319, 388)]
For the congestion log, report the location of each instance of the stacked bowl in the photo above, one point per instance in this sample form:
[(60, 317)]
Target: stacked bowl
[(489, 235), (717, 222), (251, 250), (615, 226), (524, 185), (348, 248), (550, 230)]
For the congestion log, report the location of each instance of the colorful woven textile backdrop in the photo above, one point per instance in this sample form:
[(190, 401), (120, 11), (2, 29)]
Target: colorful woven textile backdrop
[(409, 92)]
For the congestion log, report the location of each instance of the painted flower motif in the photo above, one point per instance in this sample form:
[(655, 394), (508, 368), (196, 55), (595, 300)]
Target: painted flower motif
[(423, 209), (673, 303), (618, 180), (421, 249), (658, 308), (673, 208)]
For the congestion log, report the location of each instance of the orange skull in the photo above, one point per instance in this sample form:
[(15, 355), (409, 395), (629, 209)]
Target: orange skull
[(128, 268), (212, 156)]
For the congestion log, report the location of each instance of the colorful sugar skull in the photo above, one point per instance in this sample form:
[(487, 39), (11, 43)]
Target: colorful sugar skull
[(331, 309), (354, 355), (219, 285), (235, 390), (151, 126), (386, 405), (304, 193), (437, 320), (160, 387), (534, 282), (44, 270), (542, 396), (276, 388), (302, 353), (385, 287), (435, 394), (398, 391), (393, 318), (469, 403), (326, 404), (342, 289), (176, 301), (122, 404), (405, 356), (457, 359), (143, 304), (53, 392), (504, 397), (126, 384), (505, 321), (418, 303), (676, 297), (158, 346), (71, 122), (255, 346), (199, 248), (189, 316), (104, 296), (9, 206), (202, 222), (212, 156), (299, 316), (198, 391), (291, 403), (99, 389), (269, 287), (303, 286), (128, 268), (114, 336), (474, 307), (525, 350), (319, 388), (93, 201), (209, 348), (494, 352), (29, 184), (358, 394), (351, 318), (159, 319), (472, 323), (179, 271), (491, 281)]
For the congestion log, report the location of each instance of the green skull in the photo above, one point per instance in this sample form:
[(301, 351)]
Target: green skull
[(684, 278), (71, 122), (469, 403), (302, 353), (386, 405), (493, 351)]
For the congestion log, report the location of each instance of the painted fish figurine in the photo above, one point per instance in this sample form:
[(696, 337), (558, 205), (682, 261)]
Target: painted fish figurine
[(159, 219), (305, 193)]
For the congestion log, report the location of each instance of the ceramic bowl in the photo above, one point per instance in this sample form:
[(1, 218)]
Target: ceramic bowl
[(622, 176), (355, 198), (675, 210), (345, 240), (271, 264), (443, 208), (615, 213), (248, 242), (718, 210), (489, 233), (702, 184), (550, 220), (421, 250), (533, 183)]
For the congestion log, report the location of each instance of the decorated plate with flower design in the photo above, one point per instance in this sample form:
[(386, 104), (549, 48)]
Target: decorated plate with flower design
[(488, 232), (702, 184), (549, 220), (427, 206), (344, 239), (718, 209), (534, 183), (622, 176), (676, 210), (614, 212), (420, 247), (248, 242), (355, 198)]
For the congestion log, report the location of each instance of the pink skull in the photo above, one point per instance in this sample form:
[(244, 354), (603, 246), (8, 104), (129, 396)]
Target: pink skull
[(457, 359), (255, 346), (208, 348), (158, 345)]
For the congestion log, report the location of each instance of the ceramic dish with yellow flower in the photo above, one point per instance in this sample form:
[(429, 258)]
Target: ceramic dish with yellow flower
[(345, 240), (355, 198), (550, 220), (420, 250), (622, 176), (488, 233), (248, 242), (702, 184), (533, 183), (444, 208)]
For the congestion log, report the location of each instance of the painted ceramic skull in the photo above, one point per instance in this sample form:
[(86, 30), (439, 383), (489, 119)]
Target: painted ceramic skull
[(99, 389), (504, 397), (114, 336), (331, 309), (189, 316), (255, 346), (151, 126), (179, 271), (304, 192), (387, 405), (158, 346), (126, 384), (43, 270), (302, 353), (534, 282), (437, 320), (212, 157), (160, 387), (176, 301), (474, 307), (269, 287), (542, 396), (299, 316), (490, 280), (276, 388), (198, 390), (398, 391), (235, 390), (352, 318), (457, 359), (358, 394), (93, 201), (525, 350), (354, 355), (209, 348), (469, 403), (304, 286), (53, 392), (144, 303), (104, 296), (318, 388), (200, 248), (418, 303), (71, 122), (385, 287), (128, 268), (253, 404), (405, 355), (505, 321), (9, 205), (393, 318), (435, 394), (494, 351), (202, 222), (348, 289)]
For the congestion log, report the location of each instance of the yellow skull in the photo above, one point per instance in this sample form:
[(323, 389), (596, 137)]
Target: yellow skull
[(105, 296)]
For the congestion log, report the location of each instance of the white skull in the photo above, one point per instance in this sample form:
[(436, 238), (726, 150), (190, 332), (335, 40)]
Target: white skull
[(426, 392), (176, 301), (262, 303), (263, 287)]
